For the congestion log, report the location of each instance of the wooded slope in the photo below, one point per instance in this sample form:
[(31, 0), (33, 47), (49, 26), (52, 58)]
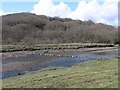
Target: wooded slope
[(28, 28)]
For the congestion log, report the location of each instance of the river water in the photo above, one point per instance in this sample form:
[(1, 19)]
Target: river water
[(14, 66)]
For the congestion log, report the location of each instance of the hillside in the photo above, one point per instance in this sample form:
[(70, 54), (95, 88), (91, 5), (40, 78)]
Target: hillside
[(28, 28)]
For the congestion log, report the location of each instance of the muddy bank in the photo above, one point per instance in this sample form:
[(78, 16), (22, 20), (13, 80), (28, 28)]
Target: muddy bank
[(60, 46)]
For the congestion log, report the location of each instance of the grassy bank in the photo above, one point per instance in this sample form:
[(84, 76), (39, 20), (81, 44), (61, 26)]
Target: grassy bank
[(92, 74), (11, 48)]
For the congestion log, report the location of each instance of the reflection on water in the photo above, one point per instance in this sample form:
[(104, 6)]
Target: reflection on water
[(32, 62)]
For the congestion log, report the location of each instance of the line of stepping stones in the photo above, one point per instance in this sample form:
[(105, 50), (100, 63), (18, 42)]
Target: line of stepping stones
[(69, 56)]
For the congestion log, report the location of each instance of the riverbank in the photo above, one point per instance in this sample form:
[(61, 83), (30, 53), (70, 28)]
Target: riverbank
[(101, 73), (13, 48)]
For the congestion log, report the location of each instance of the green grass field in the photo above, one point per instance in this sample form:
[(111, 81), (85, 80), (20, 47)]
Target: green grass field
[(102, 73)]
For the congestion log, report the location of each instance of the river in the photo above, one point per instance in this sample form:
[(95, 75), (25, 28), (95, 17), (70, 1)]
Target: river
[(13, 66)]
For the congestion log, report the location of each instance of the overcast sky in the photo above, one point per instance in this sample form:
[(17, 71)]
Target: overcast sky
[(104, 11)]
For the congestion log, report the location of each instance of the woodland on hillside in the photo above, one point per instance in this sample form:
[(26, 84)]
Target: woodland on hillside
[(28, 28)]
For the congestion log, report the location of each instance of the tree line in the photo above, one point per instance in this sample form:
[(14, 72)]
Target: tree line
[(28, 28)]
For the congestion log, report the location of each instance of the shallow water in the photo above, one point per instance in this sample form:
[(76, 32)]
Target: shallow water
[(78, 58), (21, 65)]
